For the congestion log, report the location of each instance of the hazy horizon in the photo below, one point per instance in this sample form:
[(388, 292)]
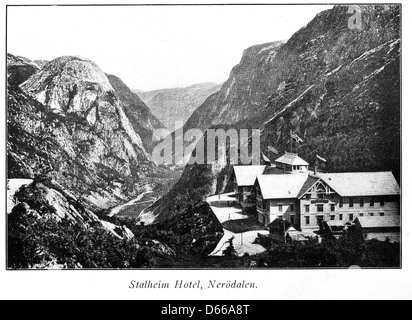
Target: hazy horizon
[(152, 48)]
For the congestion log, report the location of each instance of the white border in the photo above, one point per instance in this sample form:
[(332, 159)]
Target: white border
[(314, 284)]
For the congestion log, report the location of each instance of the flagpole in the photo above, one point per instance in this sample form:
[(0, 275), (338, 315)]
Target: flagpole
[(291, 142)]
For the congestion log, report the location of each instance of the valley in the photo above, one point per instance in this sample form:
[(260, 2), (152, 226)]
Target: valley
[(84, 185)]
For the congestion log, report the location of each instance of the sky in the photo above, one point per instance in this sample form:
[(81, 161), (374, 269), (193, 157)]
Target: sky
[(153, 47)]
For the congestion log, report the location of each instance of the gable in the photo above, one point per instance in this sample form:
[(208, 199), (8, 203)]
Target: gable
[(246, 175)]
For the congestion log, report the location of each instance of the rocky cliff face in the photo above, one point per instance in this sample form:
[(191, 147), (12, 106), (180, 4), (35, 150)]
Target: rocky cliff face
[(241, 96), (178, 104), (67, 121), (19, 69), (338, 88), (139, 115)]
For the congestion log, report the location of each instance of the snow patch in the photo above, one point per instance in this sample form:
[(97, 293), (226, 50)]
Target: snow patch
[(334, 71), (378, 48)]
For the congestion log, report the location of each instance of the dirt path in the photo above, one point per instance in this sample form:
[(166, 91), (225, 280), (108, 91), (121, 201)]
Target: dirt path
[(243, 242)]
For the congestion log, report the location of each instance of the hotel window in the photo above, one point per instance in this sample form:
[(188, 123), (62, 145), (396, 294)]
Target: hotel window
[(320, 207), (341, 217), (307, 220), (372, 202), (382, 203), (280, 208), (361, 214), (341, 203), (371, 214), (361, 203), (382, 214), (332, 208), (351, 217), (292, 219), (292, 207), (308, 197), (332, 218), (351, 203), (307, 208)]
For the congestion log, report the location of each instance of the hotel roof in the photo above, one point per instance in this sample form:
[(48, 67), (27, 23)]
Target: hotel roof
[(362, 183), (246, 175), (292, 159), (380, 222), (285, 186)]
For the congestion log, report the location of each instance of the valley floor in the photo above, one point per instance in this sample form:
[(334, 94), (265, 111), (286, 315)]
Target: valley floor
[(116, 210), (237, 226)]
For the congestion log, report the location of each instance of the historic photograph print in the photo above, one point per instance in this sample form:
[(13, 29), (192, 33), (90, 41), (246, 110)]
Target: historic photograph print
[(204, 137)]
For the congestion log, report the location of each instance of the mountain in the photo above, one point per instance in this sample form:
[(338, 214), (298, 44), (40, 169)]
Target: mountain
[(41, 63), (67, 121), (78, 145), (139, 115), (172, 105), (19, 69), (338, 88)]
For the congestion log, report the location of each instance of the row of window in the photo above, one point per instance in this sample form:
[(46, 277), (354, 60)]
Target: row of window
[(320, 207), (372, 202), (351, 217)]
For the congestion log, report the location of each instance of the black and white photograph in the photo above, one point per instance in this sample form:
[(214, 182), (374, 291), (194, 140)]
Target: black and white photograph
[(208, 137)]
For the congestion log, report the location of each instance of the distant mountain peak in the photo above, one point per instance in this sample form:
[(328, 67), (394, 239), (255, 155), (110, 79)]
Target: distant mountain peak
[(177, 104)]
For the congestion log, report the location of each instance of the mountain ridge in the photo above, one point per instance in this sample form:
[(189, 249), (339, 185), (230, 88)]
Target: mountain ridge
[(338, 88), (177, 104), (70, 105)]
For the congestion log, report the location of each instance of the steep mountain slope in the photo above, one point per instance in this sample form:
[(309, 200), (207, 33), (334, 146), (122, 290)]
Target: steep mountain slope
[(338, 88), (66, 121), (241, 96), (137, 112), (171, 105), (41, 63), (19, 69)]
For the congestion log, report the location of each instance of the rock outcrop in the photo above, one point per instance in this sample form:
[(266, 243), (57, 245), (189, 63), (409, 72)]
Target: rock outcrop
[(68, 122), (139, 115)]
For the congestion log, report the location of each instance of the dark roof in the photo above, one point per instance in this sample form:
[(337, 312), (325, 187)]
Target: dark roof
[(274, 170), (308, 183)]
